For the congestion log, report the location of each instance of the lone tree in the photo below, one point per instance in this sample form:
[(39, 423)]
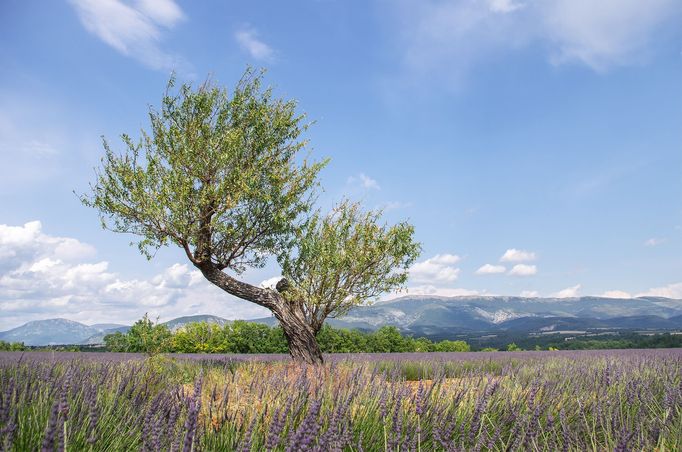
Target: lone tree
[(222, 177)]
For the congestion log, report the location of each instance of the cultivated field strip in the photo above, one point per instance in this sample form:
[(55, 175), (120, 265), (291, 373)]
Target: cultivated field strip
[(597, 400)]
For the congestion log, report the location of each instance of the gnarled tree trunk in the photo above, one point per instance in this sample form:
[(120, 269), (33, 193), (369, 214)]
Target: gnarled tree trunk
[(300, 335)]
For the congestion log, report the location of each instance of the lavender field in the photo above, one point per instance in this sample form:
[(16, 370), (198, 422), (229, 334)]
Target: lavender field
[(597, 400)]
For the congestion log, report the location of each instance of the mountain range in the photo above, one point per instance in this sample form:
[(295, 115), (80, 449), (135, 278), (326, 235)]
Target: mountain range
[(430, 316)]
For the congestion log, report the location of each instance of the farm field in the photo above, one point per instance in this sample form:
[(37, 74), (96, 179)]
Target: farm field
[(588, 400)]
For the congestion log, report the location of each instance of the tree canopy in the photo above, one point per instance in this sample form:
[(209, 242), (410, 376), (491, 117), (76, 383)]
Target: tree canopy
[(345, 259), (217, 175)]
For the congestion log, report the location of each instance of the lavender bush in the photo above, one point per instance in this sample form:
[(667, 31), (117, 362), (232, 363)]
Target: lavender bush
[(599, 400)]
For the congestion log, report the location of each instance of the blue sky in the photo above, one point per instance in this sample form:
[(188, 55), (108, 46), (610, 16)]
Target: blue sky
[(535, 145)]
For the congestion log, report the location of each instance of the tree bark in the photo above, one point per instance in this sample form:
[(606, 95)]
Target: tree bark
[(303, 346)]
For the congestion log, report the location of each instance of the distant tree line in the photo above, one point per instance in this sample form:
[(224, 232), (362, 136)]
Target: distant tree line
[(665, 340), (624, 340), (145, 336), (12, 346)]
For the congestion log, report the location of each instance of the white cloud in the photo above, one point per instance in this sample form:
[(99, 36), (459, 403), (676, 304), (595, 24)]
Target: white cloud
[(439, 269), (523, 270), (163, 12), (530, 293), (28, 243), (614, 33), (248, 40), (44, 276), (569, 292), (654, 241), (670, 291), (449, 37), (616, 294), (514, 255), (364, 181), (270, 283), (445, 259), (489, 269), (135, 30)]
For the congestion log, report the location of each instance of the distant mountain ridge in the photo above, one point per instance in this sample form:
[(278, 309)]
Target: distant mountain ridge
[(178, 323), (436, 316), (440, 317), (431, 316), (69, 332), (56, 332)]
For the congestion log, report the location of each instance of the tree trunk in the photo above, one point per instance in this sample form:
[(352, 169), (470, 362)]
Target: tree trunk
[(300, 335), (303, 346)]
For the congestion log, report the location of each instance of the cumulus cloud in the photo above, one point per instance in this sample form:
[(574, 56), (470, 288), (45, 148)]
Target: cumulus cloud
[(44, 276), (135, 30), (616, 294), (436, 276), (28, 245), (569, 292), (450, 37), (530, 293), (523, 270), (364, 181), (514, 255), (270, 283), (670, 291), (248, 40), (439, 269), (489, 269), (654, 241)]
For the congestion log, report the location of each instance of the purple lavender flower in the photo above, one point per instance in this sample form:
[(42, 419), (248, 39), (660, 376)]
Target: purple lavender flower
[(6, 401), (248, 436), (51, 430), (307, 430)]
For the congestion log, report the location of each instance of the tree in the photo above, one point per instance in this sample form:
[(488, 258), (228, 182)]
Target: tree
[(12, 346), (116, 342), (388, 339), (422, 345), (249, 337), (344, 259), (222, 178), (452, 346), (201, 337), (513, 347), (148, 337)]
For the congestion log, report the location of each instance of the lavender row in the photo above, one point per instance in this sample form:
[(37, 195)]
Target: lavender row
[(338, 357), (625, 400)]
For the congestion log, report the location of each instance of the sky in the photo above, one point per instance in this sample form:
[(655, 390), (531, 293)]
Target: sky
[(536, 145)]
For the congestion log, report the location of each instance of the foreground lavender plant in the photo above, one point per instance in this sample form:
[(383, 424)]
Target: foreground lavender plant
[(537, 401)]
